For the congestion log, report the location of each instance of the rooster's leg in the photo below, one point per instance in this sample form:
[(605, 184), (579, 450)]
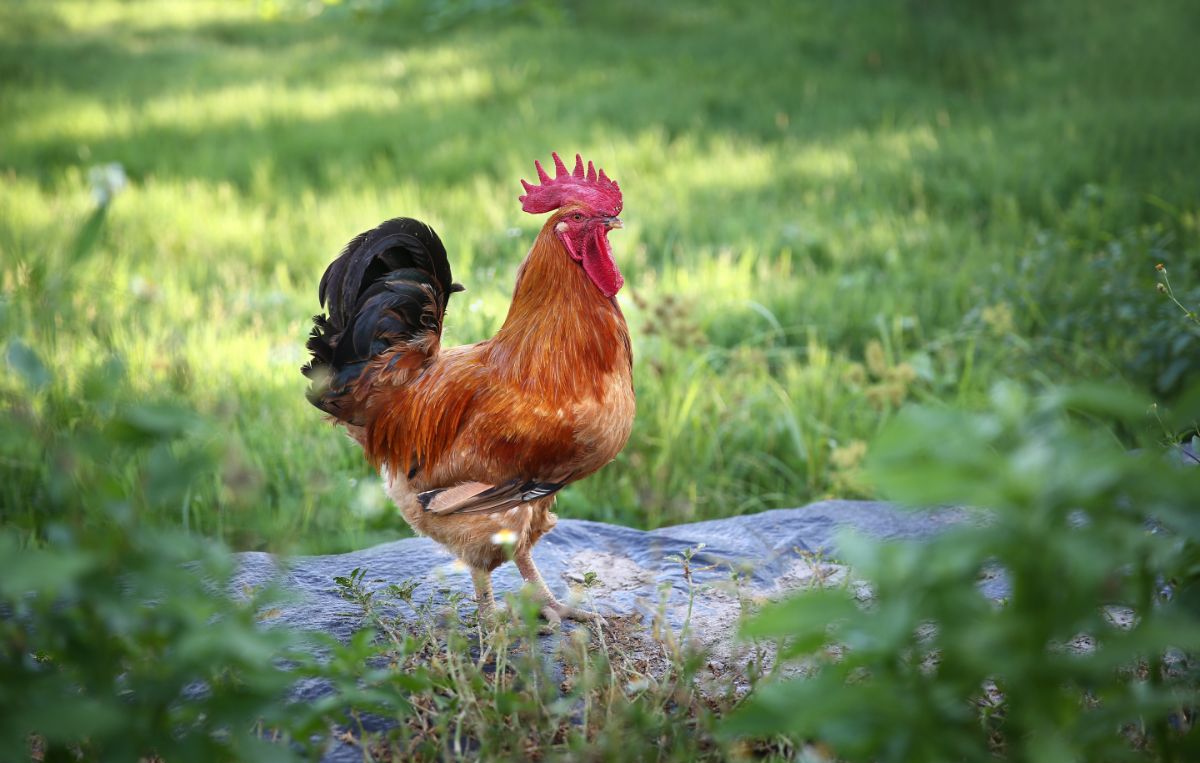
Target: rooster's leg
[(483, 593), (552, 609)]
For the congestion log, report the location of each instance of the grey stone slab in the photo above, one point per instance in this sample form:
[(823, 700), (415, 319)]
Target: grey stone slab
[(763, 544)]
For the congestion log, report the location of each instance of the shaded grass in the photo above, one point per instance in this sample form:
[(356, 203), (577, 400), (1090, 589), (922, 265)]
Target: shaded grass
[(832, 209)]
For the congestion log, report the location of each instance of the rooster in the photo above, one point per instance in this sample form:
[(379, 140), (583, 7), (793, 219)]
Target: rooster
[(473, 442)]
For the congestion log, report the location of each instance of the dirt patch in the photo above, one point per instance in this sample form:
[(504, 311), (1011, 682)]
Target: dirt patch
[(613, 573), (717, 610)]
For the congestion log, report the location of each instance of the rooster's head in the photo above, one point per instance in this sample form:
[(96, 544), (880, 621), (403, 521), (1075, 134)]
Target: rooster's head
[(587, 205)]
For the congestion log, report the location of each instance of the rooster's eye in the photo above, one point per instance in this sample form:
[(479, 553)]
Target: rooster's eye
[(576, 217)]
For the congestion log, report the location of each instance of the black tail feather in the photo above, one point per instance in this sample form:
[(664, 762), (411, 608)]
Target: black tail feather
[(388, 285)]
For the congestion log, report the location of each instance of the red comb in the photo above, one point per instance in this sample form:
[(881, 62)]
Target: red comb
[(580, 186)]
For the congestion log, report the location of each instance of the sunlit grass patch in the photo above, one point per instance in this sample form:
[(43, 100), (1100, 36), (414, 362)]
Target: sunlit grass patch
[(794, 198)]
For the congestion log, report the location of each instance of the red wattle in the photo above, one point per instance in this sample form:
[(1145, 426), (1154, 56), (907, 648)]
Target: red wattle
[(600, 266)]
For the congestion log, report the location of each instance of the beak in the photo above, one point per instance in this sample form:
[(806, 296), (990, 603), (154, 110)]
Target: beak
[(613, 222)]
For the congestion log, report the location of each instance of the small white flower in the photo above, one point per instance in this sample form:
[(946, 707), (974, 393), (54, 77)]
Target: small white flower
[(504, 538), (369, 500), (107, 180)]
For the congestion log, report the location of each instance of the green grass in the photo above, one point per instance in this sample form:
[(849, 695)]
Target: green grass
[(832, 208)]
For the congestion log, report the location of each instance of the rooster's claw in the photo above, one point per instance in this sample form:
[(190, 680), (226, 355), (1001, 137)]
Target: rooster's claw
[(555, 612)]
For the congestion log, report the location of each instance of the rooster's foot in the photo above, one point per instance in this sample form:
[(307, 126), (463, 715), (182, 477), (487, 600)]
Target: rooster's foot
[(555, 612), (499, 616), (552, 609)]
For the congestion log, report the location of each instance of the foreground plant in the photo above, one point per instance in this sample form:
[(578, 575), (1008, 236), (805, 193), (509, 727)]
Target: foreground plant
[(455, 687), (118, 641), (1164, 288), (1090, 653)]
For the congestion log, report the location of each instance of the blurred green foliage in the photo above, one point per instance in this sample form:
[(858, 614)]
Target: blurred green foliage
[(120, 642), (1090, 656), (119, 639)]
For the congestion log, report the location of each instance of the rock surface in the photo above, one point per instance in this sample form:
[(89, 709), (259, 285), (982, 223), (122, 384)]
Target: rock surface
[(631, 566), (635, 571)]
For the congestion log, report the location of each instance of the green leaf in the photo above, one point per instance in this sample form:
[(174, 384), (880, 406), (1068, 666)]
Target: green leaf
[(804, 620), (40, 571), (149, 422), (1101, 400), (89, 233)]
